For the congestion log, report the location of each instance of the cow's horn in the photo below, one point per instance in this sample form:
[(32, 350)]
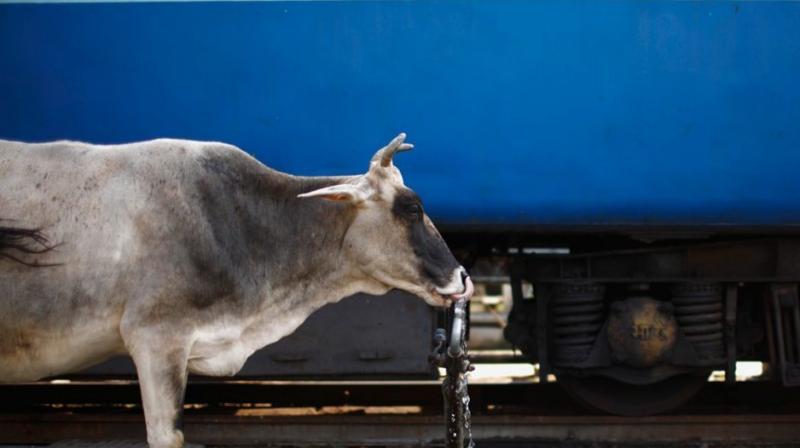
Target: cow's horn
[(386, 153)]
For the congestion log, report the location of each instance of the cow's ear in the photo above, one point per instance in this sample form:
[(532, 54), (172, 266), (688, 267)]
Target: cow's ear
[(342, 192)]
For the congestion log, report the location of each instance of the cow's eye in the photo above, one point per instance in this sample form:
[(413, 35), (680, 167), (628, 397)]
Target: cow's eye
[(415, 211)]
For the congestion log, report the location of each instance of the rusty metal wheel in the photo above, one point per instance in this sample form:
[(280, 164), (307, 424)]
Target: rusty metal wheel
[(614, 397)]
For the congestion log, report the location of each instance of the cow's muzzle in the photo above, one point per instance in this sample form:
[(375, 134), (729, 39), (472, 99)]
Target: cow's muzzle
[(469, 289), (460, 287)]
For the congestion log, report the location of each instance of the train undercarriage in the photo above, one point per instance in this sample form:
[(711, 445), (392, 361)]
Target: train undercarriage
[(628, 326), (638, 330)]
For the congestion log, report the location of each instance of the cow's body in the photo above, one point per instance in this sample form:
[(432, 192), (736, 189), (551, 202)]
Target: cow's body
[(188, 256), (161, 233)]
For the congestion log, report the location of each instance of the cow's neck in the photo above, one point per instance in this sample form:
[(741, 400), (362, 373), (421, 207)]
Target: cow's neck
[(304, 266)]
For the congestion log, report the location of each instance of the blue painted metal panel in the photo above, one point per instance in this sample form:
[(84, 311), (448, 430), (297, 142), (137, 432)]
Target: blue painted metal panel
[(524, 112)]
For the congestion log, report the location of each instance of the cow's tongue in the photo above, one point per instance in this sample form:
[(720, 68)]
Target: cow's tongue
[(469, 288)]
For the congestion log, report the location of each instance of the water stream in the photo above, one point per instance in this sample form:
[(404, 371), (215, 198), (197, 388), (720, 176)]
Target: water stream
[(453, 357)]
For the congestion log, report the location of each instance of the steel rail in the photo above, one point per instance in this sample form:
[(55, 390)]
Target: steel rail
[(544, 399)]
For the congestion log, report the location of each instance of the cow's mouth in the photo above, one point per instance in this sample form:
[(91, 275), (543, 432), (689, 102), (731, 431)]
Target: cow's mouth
[(446, 296)]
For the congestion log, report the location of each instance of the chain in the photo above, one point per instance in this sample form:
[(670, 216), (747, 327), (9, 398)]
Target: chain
[(452, 355)]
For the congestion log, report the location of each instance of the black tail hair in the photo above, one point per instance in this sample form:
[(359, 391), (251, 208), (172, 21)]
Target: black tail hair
[(24, 241)]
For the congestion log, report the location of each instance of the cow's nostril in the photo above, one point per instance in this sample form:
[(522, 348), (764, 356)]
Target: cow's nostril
[(464, 276)]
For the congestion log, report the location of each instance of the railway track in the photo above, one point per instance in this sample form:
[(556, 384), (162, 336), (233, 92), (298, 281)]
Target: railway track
[(409, 430), (392, 414)]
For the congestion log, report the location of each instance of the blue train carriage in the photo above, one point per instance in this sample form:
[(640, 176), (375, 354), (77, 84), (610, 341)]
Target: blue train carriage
[(654, 144)]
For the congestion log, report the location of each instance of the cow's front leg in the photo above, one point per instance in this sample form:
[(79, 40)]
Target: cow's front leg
[(161, 367)]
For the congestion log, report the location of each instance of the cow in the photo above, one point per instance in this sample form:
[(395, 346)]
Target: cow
[(189, 256)]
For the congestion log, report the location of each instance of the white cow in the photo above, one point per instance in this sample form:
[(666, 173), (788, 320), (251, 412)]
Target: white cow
[(189, 256)]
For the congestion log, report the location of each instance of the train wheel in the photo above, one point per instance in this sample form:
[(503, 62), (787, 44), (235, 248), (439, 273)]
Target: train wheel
[(614, 397)]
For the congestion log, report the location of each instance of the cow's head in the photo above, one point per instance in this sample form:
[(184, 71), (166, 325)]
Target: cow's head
[(391, 239)]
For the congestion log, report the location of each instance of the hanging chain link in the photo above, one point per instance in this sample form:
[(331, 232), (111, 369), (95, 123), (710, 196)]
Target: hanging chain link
[(452, 355)]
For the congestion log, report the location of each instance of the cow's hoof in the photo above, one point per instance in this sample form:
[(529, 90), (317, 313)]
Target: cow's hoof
[(173, 439)]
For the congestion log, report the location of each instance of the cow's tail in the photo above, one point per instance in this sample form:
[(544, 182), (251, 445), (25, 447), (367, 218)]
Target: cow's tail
[(22, 244)]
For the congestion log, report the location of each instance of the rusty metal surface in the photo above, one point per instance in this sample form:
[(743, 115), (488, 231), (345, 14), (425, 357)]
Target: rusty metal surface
[(641, 331), (649, 334)]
